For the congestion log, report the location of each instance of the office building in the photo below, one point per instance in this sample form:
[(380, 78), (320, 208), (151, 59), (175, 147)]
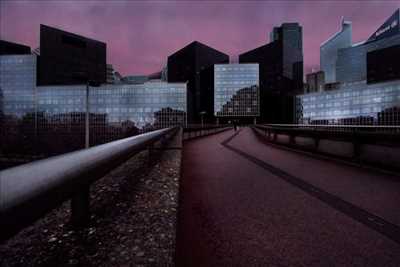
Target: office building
[(315, 82), (17, 84), (111, 78), (368, 87), (280, 61), (164, 73), (351, 63), (67, 58), (352, 103), (383, 64), (194, 64), (281, 72), (135, 79), (18, 106), (9, 48), (329, 50), (116, 110), (236, 92), (47, 120), (290, 35)]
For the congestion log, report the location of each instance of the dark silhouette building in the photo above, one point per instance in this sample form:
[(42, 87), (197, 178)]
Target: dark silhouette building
[(195, 64), (8, 48), (383, 64), (280, 61), (281, 72), (67, 58)]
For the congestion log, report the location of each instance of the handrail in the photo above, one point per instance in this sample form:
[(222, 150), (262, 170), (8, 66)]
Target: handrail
[(194, 131), (29, 191), (333, 126), (371, 135)]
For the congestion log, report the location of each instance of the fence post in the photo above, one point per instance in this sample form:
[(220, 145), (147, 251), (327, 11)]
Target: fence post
[(292, 139), (275, 136), (80, 203), (356, 146)]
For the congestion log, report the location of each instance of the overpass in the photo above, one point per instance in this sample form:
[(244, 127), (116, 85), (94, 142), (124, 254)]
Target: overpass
[(257, 197), (245, 202)]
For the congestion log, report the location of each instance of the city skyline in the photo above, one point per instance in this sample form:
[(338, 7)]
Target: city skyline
[(140, 35)]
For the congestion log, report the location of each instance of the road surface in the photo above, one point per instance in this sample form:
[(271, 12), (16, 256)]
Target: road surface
[(246, 203)]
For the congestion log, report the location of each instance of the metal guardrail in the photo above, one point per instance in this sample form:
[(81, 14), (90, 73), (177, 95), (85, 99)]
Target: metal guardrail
[(354, 133), (194, 131), (339, 127), (29, 191), (367, 145)]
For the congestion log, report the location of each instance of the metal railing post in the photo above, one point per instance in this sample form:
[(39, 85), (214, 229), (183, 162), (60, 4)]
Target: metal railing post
[(87, 129), (36, 188), (80, 204)]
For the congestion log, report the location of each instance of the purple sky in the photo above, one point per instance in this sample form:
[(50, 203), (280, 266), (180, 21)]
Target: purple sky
[(140, 35)]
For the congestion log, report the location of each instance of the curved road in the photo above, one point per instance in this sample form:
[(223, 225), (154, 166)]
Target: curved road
[(245, 203)]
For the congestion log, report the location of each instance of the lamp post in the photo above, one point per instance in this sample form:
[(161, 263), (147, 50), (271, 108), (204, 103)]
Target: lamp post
[(80, 202), (87, 130), (202, 113), (83, 76)]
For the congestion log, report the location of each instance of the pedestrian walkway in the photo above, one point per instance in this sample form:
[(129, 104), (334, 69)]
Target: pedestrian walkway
[(236, 209)]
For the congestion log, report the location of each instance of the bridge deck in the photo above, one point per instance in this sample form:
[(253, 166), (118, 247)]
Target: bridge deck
[(245, 203)]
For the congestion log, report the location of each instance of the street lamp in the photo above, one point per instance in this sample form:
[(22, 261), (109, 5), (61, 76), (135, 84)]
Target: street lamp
[(202, 113), (93, 84), (83, 76)]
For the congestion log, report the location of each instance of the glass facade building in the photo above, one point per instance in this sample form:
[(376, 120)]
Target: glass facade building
[(138, 103), (17, 84), (50, 119), (329, 50), (194, 64), (351, 63), (353, 103), (367, 88), (236, 90)]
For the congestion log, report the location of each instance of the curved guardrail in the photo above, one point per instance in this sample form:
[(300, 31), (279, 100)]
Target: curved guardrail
[(358, 133), (367, 145), (194, 131), (29, 191)]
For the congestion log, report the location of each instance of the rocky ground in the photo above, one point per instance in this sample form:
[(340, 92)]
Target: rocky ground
[(132, 223)]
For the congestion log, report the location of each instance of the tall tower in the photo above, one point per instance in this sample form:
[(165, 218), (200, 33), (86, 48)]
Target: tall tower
[(291, 36), (329, 50)]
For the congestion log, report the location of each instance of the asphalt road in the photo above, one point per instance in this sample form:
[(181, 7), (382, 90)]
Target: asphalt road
[(244, 203)]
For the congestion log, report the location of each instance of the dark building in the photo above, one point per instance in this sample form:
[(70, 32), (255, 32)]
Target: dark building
[(8, 48), (315, 82), (281, 72), (195, 64), (383, 64), (351, 64), (270, 60), (67, 58), (281, 60)]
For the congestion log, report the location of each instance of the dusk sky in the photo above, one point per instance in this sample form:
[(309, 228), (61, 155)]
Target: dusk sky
[(140, 35)]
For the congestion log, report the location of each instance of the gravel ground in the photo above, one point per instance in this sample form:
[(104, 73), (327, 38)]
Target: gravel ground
[(132, 223)]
